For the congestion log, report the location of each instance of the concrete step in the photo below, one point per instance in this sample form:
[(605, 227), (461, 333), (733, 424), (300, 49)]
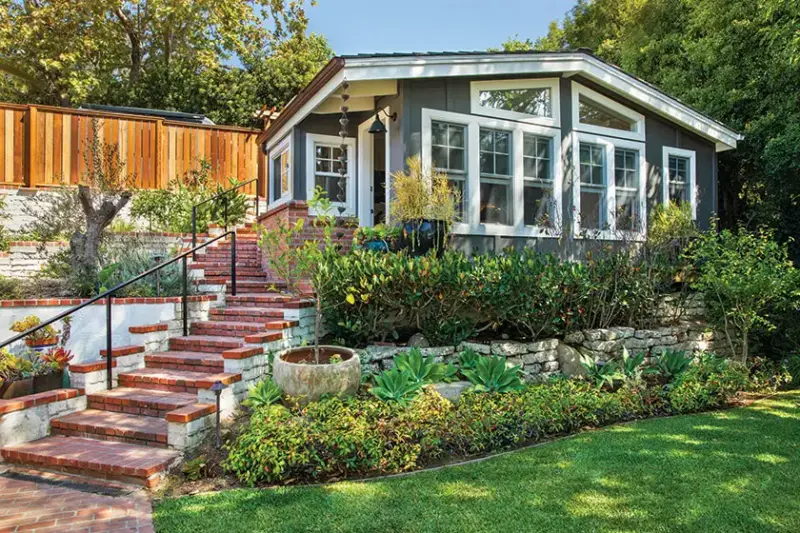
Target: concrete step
[(108, 425), (111, 460), (179, 360), (139, 401), (174, 380)]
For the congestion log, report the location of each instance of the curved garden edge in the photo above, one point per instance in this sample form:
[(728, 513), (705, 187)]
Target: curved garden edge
[(745, 399)]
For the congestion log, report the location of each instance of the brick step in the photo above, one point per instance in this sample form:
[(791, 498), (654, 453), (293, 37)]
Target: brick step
[(246, 314), (108, 425), (219, 278), (256, 335), (111, 460), (178, 360), (257, 287), (274, 300), (241, 271), (263, 323), (174, 380), (139, 401), (204, 343)]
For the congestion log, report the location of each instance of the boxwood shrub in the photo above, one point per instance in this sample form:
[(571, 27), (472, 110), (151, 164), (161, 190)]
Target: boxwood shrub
[(336, 438)]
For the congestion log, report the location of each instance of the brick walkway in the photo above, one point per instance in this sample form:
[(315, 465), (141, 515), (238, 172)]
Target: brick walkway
[(39, 502)]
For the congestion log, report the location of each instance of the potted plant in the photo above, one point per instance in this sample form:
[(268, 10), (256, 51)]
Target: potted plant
[(379, 238), (426, 206), (309, 372), (52, 375), (16, 375), (40, 339)]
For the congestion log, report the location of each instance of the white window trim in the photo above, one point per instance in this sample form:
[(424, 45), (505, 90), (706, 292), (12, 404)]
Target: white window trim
[(534, 83), (691, 155), (352, 163), (471, 224), (275, 153), (638, 118), (609, 144)]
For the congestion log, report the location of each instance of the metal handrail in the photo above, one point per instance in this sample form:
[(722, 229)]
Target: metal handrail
[(109, 295), (223, 194)]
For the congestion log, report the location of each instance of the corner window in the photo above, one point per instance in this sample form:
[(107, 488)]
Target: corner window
[(680, 175), (281, 172), (495, 168), (324, 159), (592, 186), (531, 100), (449, 155), (595, 113), (538, 201)]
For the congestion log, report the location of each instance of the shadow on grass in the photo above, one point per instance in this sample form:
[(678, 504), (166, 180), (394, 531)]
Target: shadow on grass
[(728, 471)]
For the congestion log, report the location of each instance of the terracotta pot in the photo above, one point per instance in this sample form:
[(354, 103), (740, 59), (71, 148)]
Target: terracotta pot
[(48, 382), (41, 344), (296, 373), (15, 389)]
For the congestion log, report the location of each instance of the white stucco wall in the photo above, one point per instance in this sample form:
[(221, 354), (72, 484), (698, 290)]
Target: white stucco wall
[(89, 324)]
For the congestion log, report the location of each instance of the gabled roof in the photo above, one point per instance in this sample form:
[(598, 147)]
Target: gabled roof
[(362, 67)]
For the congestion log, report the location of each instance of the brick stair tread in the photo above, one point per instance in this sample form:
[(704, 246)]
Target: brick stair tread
[(200, 380), (242, 326), (154, 399), (114, 424), (217, 341), (96, 456), (266, 313), (182, 357)]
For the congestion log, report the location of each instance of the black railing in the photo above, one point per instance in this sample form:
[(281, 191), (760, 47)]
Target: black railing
[(225, 202), (109, 296)]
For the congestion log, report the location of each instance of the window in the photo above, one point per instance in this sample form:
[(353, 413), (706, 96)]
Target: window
[(531, 100), (538, 202), (281, 171), (324, 159), (595, 113), (626, 181), (592, 186), (590, 112), (495, 169), (679, 184), (449, 155)]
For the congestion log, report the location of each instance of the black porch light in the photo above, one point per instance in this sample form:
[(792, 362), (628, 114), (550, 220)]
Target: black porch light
[(377, 125)]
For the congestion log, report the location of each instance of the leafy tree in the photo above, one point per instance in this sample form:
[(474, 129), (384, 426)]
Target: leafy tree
[(158, 53), (737, 61)]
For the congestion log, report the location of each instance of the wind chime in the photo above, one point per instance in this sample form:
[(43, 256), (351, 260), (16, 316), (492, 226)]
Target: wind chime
[(343, 122)]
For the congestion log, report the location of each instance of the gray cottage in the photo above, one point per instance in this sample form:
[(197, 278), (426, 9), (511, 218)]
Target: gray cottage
[(548, 149)]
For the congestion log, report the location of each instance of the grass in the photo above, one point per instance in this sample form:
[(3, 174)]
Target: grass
[(726, 471)]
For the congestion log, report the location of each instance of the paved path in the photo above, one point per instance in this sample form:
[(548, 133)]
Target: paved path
[(43, 503)]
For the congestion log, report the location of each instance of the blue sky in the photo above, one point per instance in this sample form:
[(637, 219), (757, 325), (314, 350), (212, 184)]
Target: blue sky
[(366, 26)]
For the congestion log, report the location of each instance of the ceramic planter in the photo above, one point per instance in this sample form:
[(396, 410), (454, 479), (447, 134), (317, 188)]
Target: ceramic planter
[(295, 372), (48, 382), (40, 345), (421, 236)]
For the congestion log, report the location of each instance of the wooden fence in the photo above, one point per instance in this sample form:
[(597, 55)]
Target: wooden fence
[(43, 146)]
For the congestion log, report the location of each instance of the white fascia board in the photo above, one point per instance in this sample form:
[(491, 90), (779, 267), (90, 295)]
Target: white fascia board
[(586, 65)]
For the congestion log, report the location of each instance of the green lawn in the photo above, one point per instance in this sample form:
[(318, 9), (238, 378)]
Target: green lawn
[(731, 471)]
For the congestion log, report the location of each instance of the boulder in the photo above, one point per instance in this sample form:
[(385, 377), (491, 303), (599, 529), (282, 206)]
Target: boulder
[(452, 391), (569, 360)]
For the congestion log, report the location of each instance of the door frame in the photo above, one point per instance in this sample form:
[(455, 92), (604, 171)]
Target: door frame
[(365, 169)]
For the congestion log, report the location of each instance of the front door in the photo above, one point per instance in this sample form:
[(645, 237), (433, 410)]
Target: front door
[(373, 178)]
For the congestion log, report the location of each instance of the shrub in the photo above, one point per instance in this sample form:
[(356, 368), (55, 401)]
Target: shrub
[(263, 394), (742, 275), (706, 385)]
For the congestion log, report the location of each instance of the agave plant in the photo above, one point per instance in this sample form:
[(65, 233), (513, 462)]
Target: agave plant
[(673, 363), (492, 375), (395, 385), (423, 369), (631, 366), (468, 359), (601, 372), (262, 394)]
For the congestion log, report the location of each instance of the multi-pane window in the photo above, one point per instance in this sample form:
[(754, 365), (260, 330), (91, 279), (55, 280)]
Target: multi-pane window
[(281, 173), (595, 114), (593, 186), (495, 179), (449, 155), (530, 101), (538, 180), (626, 181), (678, 179), (327, 162)]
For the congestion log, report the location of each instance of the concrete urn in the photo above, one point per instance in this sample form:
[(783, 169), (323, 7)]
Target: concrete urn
[(296, 373)]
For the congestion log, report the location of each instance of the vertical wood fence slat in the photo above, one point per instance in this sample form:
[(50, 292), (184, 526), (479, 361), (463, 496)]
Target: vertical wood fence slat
[(42, 145)]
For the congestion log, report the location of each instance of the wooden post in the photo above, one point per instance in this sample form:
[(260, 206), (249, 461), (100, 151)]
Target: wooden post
[(160, 156), (32, 144)]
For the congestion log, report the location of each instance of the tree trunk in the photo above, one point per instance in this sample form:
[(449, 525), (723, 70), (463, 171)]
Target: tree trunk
[(317, 320), (745, 347)]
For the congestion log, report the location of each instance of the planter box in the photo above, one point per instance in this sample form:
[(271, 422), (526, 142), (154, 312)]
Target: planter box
[(15, 389), (48, 382)]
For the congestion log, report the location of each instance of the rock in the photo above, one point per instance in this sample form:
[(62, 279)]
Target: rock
[(540, 346), (418, 340), (551, 366), (569, 360), (623, 333), (452, 391), (439, 352), (484, 349), (644, 334), (575, 337), (550, 355), (509, 348), (532, 369), (514, 361), (379, 353), (634, 344), (593, 334), (602, 346), (533, 358)]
